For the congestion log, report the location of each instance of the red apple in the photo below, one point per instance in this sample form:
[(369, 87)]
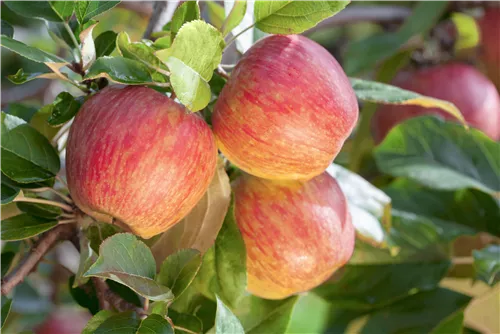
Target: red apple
[(286, 110), (461, 84), (64, 321), (136, 157), (490, 43), (296, 233)]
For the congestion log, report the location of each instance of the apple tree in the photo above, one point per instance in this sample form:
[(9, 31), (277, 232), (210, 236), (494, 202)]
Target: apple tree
[(249, 166)]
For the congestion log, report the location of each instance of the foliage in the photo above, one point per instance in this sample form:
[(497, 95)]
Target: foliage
[(430, 182)]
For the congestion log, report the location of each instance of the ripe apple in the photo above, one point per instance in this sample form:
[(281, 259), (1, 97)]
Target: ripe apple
[(490, 43), (137, 158), (296, 233), (64, 321), (286, 110), (461, 84)]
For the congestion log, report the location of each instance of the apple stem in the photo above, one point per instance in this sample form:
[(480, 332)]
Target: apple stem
[(63, 206), (38, 251), (43, 189)]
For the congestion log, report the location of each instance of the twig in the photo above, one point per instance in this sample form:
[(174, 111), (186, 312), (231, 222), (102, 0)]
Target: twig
[(158, 8), (38, 251), (107, 298), (43, 201), (44, 189), (462, 260), (222, 73), (363, 14)]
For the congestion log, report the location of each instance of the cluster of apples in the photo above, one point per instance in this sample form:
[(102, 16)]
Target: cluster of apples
[(138, 159)]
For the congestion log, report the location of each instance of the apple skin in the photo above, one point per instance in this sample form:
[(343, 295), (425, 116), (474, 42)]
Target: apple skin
[(463, 85), (137, 158), (286, 110), (490, 43), (296, 233), (64, 321)]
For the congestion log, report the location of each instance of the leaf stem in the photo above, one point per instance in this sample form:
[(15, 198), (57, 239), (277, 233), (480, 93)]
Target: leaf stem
[(67, 215), (44, 189), (61, 181), (43, 201), (65, 128), (66, 221), (238, 35), (222, 73), (73, 39), (184, 329)]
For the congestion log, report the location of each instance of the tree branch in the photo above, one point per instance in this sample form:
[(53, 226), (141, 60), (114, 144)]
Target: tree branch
[(38, 251), (161, 12), (108, 299)]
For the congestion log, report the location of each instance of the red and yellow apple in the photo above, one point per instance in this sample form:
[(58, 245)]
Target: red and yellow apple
[(137, 158), (490, 43), (296, 233), (461, 84), (286, 110)]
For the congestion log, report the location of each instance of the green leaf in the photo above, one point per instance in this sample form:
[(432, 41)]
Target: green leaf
[(105, 43), (364, 54), (419, 313), (99, 232), (487, 264), (441, 155), (120, 70), (124, 292), (20, 77), (187, 321), (235, 17), (226, 321), (20, 110), (126, 260), (39, 210), (293, 17), (87, 259), (6, 261), (187, 12), (367, 204), (162, 43), (265, 316), (24, 226), (215, 13), (27, 156), (34, 9), (6, 305), (223, 271), (140, 52), (7, 29), (29, 52), (192, 58), (96, 321), (40, 123), (85, 295), (65, 107), (372, 91), (466, 210), (122, 323), (64, 9), (155, 324), (387, 283), (85, 10), (452, 324), (179, 269), (8, 192)]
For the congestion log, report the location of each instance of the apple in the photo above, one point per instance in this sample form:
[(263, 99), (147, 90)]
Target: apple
[(296, 233), (137, 158), (64, 321), (461, 84), (489, 26), (286, 110)]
